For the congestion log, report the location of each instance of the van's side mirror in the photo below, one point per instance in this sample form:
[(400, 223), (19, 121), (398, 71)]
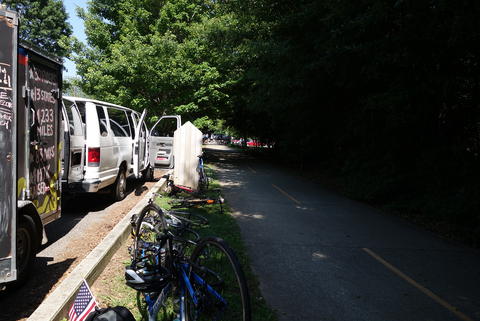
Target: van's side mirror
[(104, 134)]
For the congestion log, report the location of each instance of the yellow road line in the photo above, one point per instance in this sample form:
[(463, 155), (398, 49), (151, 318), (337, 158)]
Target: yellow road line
[(420, 287), (287, 195), (251, 169)]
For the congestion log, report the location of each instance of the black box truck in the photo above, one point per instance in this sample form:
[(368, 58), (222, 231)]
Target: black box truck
[(30, 149)]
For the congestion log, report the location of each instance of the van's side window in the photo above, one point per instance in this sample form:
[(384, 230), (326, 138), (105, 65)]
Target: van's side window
[(130, 122), (143, 131), (135, 118), (165, 128), (119, 122), (102, 121)]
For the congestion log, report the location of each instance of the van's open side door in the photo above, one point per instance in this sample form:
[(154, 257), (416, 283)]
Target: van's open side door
[(161, 140), (139, 146), (8, 155)]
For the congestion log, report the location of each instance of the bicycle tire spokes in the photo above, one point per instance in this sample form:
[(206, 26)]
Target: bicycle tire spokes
[(154, 302), (219, 283), (148, 231), (189, 218), (207, 278)]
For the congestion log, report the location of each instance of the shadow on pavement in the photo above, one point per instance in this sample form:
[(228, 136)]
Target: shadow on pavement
[(20, 303), (76, 206)]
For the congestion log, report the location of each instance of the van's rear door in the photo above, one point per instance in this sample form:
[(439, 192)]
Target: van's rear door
[(139, 141), (74, 146), (161, 140), (8, 156)]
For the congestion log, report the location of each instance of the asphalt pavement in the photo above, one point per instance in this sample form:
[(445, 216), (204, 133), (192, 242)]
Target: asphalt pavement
[(321, 256)]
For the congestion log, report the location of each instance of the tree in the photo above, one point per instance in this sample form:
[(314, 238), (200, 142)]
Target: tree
[(384, 93), (44, 24), (147, 54)]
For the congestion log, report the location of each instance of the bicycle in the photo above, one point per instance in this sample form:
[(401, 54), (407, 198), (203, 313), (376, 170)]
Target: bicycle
[(203, 178), (208, 280), (195, 202), (203, 182), (182, 222)]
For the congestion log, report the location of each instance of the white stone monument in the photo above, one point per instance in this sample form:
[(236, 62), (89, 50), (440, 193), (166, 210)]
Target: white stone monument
[(187, 146)]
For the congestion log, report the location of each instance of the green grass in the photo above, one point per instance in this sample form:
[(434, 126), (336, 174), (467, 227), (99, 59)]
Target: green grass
[(221, 224)]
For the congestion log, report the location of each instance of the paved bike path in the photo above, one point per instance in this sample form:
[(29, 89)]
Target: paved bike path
[(320, 256)]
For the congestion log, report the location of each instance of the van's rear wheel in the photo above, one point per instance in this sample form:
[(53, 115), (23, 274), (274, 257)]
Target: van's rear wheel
[(120, 186), (148, 174)]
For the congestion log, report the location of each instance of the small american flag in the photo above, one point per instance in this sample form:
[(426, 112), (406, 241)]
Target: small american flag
[(84, 304)]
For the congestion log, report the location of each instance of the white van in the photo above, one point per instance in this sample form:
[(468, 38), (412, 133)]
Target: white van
[(104, 144)]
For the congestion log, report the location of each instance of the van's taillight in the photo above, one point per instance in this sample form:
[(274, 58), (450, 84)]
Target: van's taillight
[(93, 156)]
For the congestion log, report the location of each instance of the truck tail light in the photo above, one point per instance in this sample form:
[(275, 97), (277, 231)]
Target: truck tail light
[(94, 156)]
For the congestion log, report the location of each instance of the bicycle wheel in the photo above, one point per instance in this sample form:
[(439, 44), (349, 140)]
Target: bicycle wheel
[(149, 225), (206, 178), (216, 263), (190, 218), (180, 229), (165, 312), (203, 180)]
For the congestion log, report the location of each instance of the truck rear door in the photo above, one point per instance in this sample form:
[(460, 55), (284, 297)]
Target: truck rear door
[(8, 93), (43, 85)]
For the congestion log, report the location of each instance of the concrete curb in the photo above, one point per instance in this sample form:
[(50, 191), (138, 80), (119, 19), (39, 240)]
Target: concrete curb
[(55, 307)]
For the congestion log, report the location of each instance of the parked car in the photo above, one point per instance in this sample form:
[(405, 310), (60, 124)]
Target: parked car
[(253, 143), (221, 138), (104, 144)]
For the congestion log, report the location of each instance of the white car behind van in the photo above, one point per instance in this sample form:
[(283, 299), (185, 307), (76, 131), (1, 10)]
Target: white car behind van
[(104, 144)]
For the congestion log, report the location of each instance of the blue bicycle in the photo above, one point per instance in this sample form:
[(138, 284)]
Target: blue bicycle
[(203, 178), (200, 280)]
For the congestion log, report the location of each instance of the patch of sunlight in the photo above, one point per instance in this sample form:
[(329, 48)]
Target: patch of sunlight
[(301, 208), (231, 183), (249, 216), (317, 256)]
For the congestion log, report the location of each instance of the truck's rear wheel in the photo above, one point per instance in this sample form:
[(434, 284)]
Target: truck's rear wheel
[(26, 247), (120, 186)]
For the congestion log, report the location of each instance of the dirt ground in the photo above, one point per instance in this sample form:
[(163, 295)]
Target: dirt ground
[(106, 284), (85, 222)]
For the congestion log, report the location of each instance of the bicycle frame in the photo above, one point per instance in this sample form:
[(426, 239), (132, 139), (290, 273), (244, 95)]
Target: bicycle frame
[(154, 305), (200, 166)]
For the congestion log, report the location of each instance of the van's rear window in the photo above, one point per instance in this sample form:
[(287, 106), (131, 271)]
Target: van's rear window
[(81, 109)]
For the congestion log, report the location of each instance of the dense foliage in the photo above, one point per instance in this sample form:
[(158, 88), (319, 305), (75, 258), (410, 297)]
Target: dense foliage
[(384, 94), (43, 23), (151, 54)]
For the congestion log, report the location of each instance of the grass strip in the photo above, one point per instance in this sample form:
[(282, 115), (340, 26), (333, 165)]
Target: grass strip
[(111, 289)]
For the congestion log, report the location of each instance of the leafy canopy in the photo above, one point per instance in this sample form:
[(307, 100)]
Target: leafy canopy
[(43, 23), (154, 55)]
